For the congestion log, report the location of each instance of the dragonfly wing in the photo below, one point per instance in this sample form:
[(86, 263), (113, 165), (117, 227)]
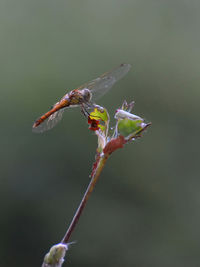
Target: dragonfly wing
[(103, 84), (50, 122)]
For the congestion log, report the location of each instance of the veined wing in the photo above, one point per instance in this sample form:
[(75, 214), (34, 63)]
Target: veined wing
[(103, 84), (98, 88), (50, 122)]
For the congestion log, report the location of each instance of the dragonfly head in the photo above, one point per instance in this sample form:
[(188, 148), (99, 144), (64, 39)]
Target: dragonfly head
[(86, 95)]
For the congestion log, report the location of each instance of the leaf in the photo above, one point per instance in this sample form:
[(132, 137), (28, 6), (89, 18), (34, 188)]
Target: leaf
[(94, 124), (114, 144), (99, 114), (127, 126)]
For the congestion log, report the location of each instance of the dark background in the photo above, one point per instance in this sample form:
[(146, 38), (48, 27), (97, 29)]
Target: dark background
[(145, 210)]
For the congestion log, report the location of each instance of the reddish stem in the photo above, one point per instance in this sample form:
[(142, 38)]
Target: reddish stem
[(84, 200)]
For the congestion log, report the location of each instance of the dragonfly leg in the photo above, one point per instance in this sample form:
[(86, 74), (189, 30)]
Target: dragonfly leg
[(84, 111), (101, 109), (85, 106), (89, 105), (93, 106)]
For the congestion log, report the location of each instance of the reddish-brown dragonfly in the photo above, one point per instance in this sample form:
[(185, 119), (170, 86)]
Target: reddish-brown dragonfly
[(84, 96)]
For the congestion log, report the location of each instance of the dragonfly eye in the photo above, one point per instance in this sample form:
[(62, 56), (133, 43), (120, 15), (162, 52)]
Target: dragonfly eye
[(87, 95)]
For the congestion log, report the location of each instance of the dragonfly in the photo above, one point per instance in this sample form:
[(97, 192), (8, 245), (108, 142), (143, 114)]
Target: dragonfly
[(83, 97)]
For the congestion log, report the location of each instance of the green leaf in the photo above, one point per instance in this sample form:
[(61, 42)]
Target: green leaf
[(99, 114), (127, 126)]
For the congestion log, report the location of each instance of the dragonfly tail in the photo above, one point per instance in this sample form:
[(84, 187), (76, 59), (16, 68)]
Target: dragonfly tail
[(56, 107)]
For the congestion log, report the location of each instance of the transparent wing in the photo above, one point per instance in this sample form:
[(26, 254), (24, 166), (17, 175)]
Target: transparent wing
[(50, 122), (98, 88), (103, 84)]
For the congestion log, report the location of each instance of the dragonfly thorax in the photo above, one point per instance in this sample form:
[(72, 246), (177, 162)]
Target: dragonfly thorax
[(86, 95)]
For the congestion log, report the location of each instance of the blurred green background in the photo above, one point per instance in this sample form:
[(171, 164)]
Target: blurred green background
[(145, 210)]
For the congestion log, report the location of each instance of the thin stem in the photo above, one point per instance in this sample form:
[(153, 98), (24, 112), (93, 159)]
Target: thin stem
[(84, 200)]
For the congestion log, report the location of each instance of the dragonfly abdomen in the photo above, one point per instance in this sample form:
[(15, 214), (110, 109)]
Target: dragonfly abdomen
[(62, 104)]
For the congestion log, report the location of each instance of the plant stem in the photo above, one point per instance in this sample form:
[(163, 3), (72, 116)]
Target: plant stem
[(90, 188)]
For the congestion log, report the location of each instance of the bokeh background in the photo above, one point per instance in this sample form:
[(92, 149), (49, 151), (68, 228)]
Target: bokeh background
[(145, 210)]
